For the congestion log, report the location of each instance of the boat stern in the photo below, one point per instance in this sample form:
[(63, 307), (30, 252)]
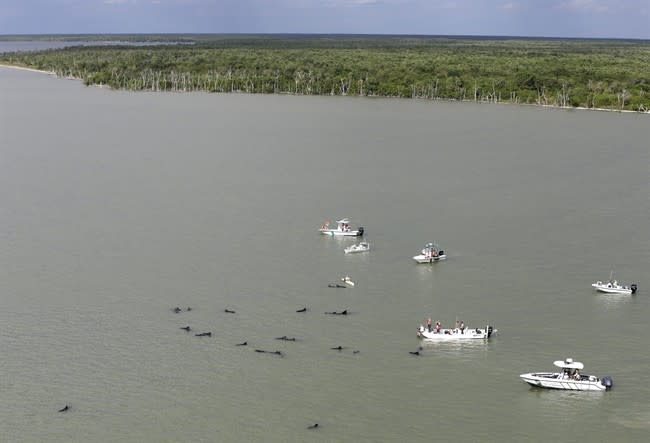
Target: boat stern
[(607, 382)]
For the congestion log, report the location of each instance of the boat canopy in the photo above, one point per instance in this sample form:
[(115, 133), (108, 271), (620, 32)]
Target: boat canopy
[(568, 364), (343, 220)]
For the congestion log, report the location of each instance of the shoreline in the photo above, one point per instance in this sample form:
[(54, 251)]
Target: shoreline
[(24, 68), (535, 105)]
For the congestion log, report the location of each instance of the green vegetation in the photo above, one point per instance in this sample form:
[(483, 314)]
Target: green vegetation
[(612, 74)]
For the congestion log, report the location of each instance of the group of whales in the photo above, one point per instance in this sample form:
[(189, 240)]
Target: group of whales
[(187, 328), (282, 338)]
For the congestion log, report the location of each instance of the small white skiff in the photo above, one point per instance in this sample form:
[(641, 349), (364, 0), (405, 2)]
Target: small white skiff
[(569, 379), (445, 334), (612, 287), (430, 253), (342, 229), (363, 246)]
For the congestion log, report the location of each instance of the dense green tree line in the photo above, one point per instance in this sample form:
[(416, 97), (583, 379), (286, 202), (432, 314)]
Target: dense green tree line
[(612, 74)]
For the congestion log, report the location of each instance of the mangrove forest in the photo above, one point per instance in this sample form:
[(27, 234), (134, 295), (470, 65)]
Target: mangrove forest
[(588, 73)]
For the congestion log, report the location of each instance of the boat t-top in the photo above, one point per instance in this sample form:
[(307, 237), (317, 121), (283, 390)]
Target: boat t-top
[(348, 281), (569, 378), (430, 253), (363, 246), (459, 332), (342, 229), (612, 287)]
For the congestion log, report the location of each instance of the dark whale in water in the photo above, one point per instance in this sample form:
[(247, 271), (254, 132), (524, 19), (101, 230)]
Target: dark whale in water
[(414, 352), (242, 344), (314, 426), (302, 310), (270, 352), (338, 348), (285, 338), (65, 408), (187, 328), (204, 334), (344, 312), (229, 311)]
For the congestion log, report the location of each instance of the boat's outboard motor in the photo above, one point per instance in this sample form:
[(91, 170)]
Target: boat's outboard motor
[(633, 288), (489, 331), (441, 252), (607, 382), (360, 232)]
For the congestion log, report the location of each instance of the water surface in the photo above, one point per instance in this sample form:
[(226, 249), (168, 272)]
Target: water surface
[(117, 207)]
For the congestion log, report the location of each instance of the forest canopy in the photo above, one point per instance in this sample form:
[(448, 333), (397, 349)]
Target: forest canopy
[(610, 74)]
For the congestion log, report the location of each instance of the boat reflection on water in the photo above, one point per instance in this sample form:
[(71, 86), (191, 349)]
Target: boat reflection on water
[(613, 299), (424, 273), (466, 350), (555, 396), (555, 404)]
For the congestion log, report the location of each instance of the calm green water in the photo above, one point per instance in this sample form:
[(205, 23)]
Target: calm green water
[(117, 207)]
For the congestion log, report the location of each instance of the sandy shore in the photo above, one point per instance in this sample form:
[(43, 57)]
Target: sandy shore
[(22, 68)]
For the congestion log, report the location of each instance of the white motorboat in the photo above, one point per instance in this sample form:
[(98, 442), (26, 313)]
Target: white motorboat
[(612, 287), (348, 281), (342, 229), (458, 333), (363, 246), (569, 379), (430, 253)]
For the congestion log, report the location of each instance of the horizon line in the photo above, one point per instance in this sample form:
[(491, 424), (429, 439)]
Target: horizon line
[(334, 34)]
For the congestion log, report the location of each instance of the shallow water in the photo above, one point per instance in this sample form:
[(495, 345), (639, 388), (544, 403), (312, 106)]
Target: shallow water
[(118, 207)]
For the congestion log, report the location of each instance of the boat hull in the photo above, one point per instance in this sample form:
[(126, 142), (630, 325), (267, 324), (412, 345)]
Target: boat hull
[(456, 334), (338, 233), (355, 249), (555, 380), (424, 259), (624, 290)]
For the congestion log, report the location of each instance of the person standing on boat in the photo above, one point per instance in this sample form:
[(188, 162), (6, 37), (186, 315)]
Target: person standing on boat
[(462, 327), (429, 328), (438, 326)]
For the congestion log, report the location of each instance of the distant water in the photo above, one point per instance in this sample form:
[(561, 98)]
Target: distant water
[(37, 45), (117, 207)]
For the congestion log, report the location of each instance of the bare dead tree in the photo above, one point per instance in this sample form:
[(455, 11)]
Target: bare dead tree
[(345, 85), (563, 95), (622, 97), (541, 96)]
